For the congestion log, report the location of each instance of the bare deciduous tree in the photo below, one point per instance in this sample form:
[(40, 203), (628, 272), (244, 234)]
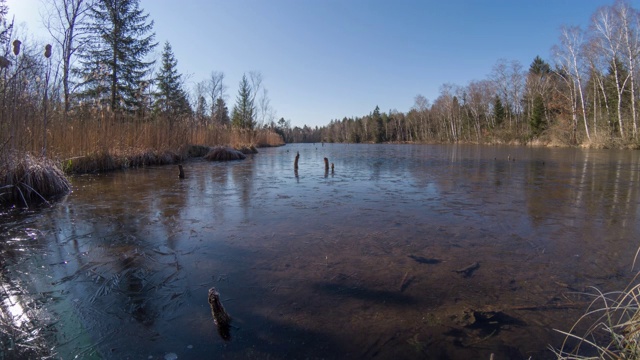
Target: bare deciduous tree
[(607, 40), (569, 59), (65, 22)]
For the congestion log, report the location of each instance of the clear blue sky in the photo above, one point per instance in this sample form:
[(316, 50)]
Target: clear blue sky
[(326, 59)]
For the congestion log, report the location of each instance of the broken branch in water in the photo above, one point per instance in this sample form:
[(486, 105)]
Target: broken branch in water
[(469, 270)]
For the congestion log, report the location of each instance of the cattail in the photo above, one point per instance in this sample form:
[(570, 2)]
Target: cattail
[(47, 51), (16, 47)]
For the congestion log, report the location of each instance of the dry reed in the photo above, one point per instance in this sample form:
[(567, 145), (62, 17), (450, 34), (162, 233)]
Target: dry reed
[(613, 328), (104, 143), (27, 179)]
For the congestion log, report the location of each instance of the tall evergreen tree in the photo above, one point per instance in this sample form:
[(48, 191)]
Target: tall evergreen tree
[(498, 111), (243, 115), (171, 99), (112, 64), (221, 113), (201, 110), (377, 127), (537, 120), (539, 67)]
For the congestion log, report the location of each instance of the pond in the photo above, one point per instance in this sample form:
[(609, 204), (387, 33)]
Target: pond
[(401, 251)]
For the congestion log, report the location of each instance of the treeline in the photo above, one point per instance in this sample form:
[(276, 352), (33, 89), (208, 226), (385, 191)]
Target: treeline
[(94, 88), (586, 94)]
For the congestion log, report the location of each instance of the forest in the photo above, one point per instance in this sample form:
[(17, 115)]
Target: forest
[(96, 93), (585, 95), (95, 96)]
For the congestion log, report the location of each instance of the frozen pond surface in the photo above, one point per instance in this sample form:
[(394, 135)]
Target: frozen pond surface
[(405, 251)]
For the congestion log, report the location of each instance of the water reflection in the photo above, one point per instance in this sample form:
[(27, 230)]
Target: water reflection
[(367, 262)]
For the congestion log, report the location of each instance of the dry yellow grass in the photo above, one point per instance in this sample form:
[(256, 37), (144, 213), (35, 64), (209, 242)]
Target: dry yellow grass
[(98, 141)]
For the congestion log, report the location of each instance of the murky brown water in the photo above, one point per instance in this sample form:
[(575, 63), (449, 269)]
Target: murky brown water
[(366, 262)]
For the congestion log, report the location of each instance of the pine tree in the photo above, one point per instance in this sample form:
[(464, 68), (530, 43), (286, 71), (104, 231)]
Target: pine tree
[(171, 99), (498, 111), (537, 120), (221, 113), (243, 115), (377, 127), (201, 110), (112, 64)]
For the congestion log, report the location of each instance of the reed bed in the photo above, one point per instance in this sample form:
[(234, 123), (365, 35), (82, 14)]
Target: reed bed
[(97, 141)]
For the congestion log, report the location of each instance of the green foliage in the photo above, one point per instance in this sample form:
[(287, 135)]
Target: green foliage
[(498, 111), (171, 99), (221, 112), (112, 64), (243, 115), (537, 120), (539, 67), (377, 126)]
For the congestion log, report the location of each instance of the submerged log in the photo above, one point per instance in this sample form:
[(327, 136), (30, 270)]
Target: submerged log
[(220, 316), (468, 270)]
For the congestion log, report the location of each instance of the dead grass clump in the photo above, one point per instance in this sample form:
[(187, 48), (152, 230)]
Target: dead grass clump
[(95, 162), (169, 157), (247, 149), (195, 150), (224, 153), (27, 179), (613, 328)]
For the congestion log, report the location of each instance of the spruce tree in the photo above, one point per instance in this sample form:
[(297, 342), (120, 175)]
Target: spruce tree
[(221, 113), (537, 120), (243, 115), (498, 111), (112, 64), (201, 110), (171, 99)]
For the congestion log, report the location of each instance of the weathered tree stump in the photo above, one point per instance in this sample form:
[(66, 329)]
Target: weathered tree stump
[(220, 316)]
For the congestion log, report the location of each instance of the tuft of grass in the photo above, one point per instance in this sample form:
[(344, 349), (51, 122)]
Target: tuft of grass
[(247, 149), (195, 150), (613, 328), (224, 153), (29, 179)]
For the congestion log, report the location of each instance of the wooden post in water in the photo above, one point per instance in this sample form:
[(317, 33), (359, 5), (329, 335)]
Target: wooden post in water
[(326, 164), (295, 163), (181, 175)]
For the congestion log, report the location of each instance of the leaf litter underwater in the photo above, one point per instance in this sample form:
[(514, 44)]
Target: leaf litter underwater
[(402, 251)]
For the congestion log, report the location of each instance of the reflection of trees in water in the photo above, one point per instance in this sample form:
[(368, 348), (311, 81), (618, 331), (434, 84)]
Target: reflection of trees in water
[(589, 191), (243, 178)]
